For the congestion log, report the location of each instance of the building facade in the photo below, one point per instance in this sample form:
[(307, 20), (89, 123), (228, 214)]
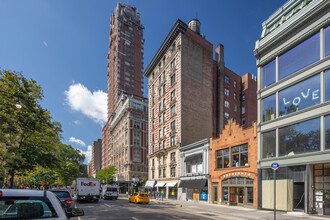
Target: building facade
[(180, 102), (96, 155), (125, 63), (233, 166), (194, 179), (128, 143), (294, 107)]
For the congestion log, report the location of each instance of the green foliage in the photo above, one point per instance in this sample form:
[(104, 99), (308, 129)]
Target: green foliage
[(106, 174), (28, 136), (143, 181)]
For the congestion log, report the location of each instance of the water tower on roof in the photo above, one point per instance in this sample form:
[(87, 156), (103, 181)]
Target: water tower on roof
[(195, 25)]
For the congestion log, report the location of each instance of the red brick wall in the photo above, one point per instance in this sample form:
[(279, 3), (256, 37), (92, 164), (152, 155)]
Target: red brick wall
[(234, 135)]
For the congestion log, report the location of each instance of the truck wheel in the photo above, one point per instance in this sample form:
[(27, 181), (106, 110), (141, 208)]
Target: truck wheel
[(116, 198)]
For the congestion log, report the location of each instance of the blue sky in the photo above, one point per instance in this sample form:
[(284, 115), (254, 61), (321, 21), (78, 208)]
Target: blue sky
[(63, 46)]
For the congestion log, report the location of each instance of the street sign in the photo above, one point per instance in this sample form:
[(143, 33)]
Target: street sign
[(42, 183), (275, 166)]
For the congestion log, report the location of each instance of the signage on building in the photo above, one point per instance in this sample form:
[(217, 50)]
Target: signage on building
[(247, 174), (275, 166), (203, 195)]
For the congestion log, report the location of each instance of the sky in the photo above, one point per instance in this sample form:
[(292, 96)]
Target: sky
[(63, 45)]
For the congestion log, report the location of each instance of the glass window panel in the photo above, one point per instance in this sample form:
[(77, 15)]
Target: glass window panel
[(299, 57), (219, 162), (232, 181), (269, 108), (235, 149), (327, 132), (327, 85), (300, 138), (300, 96), (235, 160), (269, 144), (226, 160), (244, 159), (224, 193), (250, 194), (268, 74), (327, 40)]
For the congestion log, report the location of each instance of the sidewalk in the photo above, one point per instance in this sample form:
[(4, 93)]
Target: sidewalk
[(237, 212)]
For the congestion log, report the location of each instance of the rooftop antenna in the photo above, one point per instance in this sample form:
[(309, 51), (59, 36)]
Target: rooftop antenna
[(196, 15)]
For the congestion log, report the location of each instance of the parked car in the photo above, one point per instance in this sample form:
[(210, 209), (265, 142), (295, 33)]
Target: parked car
[(139, 197), (33, 204), (110, 192), (64, 196)]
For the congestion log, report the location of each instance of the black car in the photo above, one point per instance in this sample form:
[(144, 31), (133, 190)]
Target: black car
[(64, 196)]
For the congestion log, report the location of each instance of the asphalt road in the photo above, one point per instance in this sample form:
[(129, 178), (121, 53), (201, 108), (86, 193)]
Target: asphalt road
[(122, 209)]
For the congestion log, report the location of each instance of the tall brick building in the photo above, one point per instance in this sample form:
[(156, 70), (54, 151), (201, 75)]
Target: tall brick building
[(191, 97), (96, 155), (125, 85)]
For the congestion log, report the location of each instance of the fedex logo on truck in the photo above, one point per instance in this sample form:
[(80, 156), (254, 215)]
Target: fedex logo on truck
[(88, 184)]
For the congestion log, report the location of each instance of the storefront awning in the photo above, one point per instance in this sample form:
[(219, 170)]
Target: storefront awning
[(171, 184), (193, 184), (161, 184), (193, 157), (150, 184)]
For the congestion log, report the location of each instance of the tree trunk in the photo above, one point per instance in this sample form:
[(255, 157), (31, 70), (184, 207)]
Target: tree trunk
[(12, 174)]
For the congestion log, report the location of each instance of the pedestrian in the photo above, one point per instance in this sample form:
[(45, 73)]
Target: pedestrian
[(127, 194)]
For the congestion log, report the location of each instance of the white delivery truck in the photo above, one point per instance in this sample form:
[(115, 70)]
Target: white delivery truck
[(110, 192), (88, 189)]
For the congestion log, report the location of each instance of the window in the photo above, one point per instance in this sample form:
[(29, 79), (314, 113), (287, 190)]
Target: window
[(300, 56), (164, 89), (173, 141), (327, 41), (243, 121), (159, 120), (159, 173), (227, 115), (172, 79), (300, 96), (226, 92), (269, 144), (160, 133), (164, 144), (173, 64), (153, 149), (159, 80), (268, 74), (226, 104), (153, 162), (136, 138), (153, 99), (235, 84), (164, 74), (327, 132), (235, 108), (163, 61), (173, 156), (160, 161), (243, 97), (243, 109), (243, 86), (153, 137), (172, 95), (159, 66), (164, 131), (327, 85), (164, 103), (303, 137), (172, 171), (164, 116), (269, 108), (173, 125), (222, 158), (159, 93), (164, 173), (235, 96), (239, 156), (136, 124), (127, 79), (153, 174), (227, 79), (172, 110), (164, 159), (173, 48), (188, 167)]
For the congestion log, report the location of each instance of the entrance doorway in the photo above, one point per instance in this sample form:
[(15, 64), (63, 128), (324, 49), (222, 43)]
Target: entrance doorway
[(240, 195), (299, 196)]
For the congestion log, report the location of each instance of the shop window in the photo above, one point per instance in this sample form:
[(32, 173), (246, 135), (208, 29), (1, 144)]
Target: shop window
[(249, 196), (225, 194), (327, 132), (327, 40), (300, 56), (327, 85), (239, 155), (269, 108), (268, 74), (300, 96), (269, 144), (222, 158), (300, 138)]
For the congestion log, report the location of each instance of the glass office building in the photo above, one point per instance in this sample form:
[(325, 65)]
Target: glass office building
[(294, 107)]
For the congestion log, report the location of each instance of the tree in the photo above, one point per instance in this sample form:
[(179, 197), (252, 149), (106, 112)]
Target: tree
[(143, 181), (28, 136), (106, 174), (70, 165)]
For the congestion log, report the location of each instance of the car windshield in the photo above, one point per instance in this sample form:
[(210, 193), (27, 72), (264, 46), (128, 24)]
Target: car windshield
[(143, 195), (111, 189), (62, 194), (26, 208)]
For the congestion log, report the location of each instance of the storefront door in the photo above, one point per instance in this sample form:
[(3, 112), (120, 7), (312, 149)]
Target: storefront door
[(196, 195), (240, 195), (215, 193)]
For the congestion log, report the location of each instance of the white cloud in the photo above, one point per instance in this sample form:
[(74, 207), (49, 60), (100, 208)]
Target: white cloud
[(88, 154), (93, 105), (45, 43), (80, 142)]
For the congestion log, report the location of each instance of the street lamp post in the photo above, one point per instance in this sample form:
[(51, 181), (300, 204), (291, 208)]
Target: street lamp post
[(18, 103)]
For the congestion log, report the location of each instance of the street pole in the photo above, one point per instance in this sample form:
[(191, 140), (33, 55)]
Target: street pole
[(274, 194)]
